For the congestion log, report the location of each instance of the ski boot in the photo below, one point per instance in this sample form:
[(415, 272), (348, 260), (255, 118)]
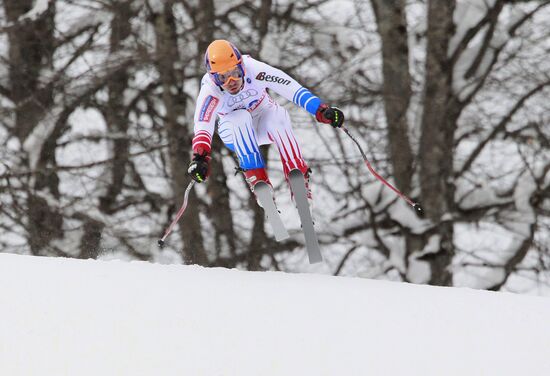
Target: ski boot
[(256, 176)]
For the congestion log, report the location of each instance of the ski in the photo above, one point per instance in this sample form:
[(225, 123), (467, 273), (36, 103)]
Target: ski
[(298, 186), (265, 199)]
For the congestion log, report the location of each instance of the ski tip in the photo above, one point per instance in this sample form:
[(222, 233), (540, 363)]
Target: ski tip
[(161, 243), (418, 209)]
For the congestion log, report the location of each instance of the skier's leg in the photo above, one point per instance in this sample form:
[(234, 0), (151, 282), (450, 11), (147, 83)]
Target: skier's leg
[(237, 133), (279, 130)]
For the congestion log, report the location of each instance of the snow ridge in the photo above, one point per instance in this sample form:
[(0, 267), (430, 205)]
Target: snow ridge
[(85, 317)]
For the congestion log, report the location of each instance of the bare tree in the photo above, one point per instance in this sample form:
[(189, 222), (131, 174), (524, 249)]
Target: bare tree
[(447, 99), (31, 48), (466, 51)]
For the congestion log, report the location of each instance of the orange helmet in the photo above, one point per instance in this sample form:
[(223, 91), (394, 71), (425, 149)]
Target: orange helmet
[(222, 56)]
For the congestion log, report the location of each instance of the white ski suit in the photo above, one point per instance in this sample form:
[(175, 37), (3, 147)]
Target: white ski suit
[(251, 117)]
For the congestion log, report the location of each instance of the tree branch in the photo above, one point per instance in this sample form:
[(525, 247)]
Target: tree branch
[(500, 127)]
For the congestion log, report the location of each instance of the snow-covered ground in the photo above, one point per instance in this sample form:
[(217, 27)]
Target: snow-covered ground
[(83, 317)]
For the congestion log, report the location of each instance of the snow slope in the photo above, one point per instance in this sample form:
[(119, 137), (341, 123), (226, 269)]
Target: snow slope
[(84, 317)]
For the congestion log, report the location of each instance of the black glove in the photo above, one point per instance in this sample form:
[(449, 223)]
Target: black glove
[(199, 168), (330, 115)]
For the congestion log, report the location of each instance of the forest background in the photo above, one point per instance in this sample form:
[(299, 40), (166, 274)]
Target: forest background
[(448, 98)]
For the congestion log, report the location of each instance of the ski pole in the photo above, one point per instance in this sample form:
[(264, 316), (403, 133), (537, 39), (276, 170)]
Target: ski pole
[(415, 205), (178, 216)]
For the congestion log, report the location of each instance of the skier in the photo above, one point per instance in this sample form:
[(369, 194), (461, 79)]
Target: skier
[(234, 91)]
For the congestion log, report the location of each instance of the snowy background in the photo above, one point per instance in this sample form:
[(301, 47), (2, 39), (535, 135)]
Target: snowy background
[(96, 99)]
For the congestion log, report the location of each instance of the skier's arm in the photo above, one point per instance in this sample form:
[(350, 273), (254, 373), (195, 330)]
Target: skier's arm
[(284, 85), (292, 90), (206, 111)]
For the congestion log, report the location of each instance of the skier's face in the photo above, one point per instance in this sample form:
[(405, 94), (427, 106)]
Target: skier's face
[(233, 85), (231, 80)]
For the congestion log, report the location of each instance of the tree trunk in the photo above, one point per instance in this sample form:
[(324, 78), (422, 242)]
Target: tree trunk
[(90, 243), (436, 142), (392, 27), (167, 58), (31, 48), (115, 112)]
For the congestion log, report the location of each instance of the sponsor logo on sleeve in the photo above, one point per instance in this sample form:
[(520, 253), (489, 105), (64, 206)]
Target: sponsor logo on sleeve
[(208, 107), (262, 76)]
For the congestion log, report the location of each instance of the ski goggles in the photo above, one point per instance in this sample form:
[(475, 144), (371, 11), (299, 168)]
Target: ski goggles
[(223, 78)]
